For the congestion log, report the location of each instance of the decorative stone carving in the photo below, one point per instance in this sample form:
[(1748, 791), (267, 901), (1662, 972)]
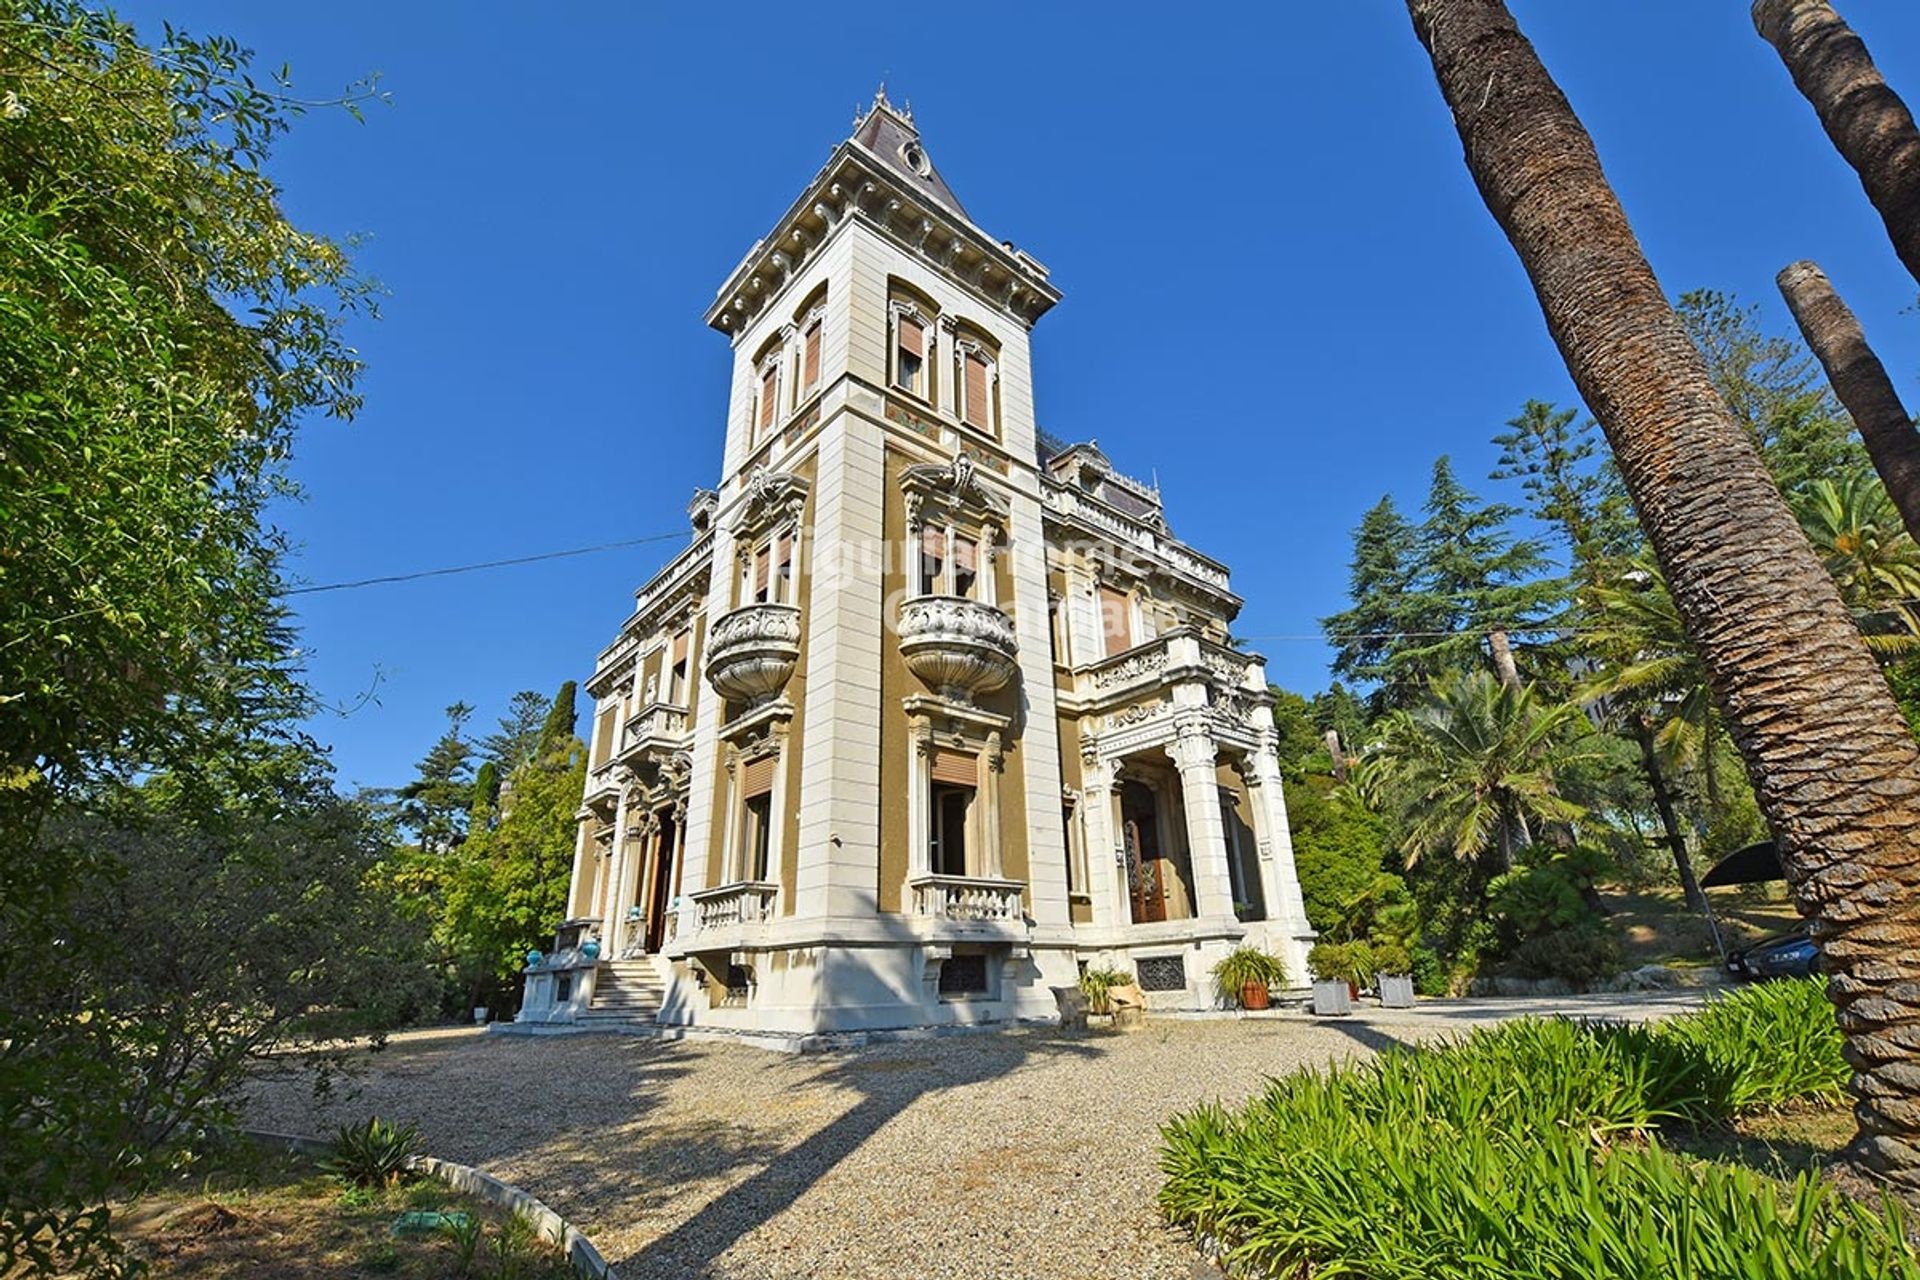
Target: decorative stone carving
[(1146, 663), (752, 651), (960, 647)]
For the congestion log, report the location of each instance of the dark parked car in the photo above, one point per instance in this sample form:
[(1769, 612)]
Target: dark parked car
[(1787, 955)]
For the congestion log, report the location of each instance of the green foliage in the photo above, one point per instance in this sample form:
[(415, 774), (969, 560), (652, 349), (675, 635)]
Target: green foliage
[(1535, 900), (1528, 1150), (1473, 770), (1338, 848), (1343, 962), (1244, 966), (518, 738), (435, 804), (373, 1153), (1584, 502), (1096, 983), (1579, 954), (1391, 958), (1380, 584), (502, 891)]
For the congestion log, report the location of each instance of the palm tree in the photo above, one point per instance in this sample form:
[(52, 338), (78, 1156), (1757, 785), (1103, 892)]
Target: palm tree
[(1861, 382), (1836, 770), (1869, 125), (1650, 682), (1852, 523), (1472, 771)]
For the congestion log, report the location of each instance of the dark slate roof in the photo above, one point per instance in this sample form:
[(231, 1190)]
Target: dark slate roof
[(889, 134)]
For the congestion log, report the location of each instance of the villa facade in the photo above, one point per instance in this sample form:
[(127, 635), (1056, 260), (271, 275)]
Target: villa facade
[(934, 710)]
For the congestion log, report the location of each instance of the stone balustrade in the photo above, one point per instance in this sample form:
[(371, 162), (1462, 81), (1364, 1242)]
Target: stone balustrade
[(968, 898), (658, 724), (731, 905)]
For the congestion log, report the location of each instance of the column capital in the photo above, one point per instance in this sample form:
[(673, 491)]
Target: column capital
[(1195, 748)]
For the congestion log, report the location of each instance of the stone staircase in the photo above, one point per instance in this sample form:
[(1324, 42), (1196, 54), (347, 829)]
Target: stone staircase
[(625, 991)]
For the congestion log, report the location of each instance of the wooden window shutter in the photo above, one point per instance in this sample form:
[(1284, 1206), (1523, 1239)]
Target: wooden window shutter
[(933, 542), (964, 554), (761, 560), (769, 395), (810, 359), (1114, 622), (680, 643), (783, 555), (756, 777), (913, 337), (979, 398), (955, 767)]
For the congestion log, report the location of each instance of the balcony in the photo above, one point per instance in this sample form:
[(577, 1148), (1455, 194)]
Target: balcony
[(658, 726), (730, 907), (968, 899), (960, 647), (752, 651)]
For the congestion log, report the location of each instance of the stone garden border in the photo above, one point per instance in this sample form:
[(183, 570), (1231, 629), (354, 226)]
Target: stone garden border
[(581, 1252)]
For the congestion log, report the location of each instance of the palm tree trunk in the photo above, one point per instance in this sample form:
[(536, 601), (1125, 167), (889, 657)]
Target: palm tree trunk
[(1503, 664), (1861, 382), (1835, 768), (1663, 803), (1869, 125)]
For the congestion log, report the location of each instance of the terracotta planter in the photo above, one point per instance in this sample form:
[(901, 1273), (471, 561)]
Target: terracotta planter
[(1253, 995), (1353, 990)]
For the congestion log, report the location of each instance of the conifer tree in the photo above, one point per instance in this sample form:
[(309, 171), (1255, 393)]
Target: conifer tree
[(518, 739), (1581, 500), (434, 805), (1380, 581)]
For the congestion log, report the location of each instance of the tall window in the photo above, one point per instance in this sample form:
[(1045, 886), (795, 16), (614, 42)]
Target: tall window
[(976, 389), (756, 788), (810, 358), (933, 559), (910, 353), (767, 571), (677, 673), (953, 780), (1116, 619), (949, 563), (1072, 830), (769, 408)]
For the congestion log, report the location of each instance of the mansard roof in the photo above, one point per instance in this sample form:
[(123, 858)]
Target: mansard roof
[(887, 131), (883, 178)]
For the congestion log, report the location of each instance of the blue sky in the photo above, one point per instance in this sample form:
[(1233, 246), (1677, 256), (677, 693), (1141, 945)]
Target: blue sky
[(1283, 295)]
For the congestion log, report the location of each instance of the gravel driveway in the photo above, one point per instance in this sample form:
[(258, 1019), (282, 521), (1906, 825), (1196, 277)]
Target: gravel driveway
[(1019, 1154)]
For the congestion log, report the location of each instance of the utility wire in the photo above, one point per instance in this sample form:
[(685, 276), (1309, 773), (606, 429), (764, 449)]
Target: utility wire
[(484, 564)]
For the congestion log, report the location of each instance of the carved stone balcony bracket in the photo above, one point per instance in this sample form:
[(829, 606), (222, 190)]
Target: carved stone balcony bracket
[(961, 648), (752, 651)]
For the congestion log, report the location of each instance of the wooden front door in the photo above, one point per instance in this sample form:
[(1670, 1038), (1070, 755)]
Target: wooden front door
[(662, 896), (1140, 826)]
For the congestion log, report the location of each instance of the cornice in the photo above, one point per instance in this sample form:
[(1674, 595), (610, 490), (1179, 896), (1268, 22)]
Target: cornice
[(855, 187)]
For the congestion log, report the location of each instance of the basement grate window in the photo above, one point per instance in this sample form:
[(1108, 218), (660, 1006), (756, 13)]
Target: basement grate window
[(963, 976), (1162, 973)]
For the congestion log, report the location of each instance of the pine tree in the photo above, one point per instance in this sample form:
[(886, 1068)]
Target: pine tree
[(434, 805), (1380, 584), (519, 736), (1475, 583), (1584, 502), (1774, 388), (557, 730)]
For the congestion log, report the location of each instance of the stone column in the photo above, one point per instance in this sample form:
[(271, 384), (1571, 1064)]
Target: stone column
[(1279, 878), (1194, 754), (1096, 787), (580, 888)]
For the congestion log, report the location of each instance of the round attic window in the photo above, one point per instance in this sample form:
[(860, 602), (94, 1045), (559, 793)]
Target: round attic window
[(916, 158)]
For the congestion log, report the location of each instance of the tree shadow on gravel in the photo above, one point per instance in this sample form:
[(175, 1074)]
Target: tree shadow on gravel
[(887, 1080)]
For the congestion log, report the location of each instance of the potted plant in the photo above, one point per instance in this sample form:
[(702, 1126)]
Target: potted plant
[(1096, 983), (1339, 970), (1393, 975), (1244, 975)]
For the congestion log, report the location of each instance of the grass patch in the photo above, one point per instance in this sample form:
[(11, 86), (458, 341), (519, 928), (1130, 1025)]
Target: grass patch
[(1655, 927), (256, 1214), (1539, 1149)]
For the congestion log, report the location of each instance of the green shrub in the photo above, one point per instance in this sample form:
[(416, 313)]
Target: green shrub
[(372, 1154), (1391, 958), (1429, 974), (1095, 983), (1342, 962), (1538, 900), (1530, 1150), (1582, 955), (1765, 1046)]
